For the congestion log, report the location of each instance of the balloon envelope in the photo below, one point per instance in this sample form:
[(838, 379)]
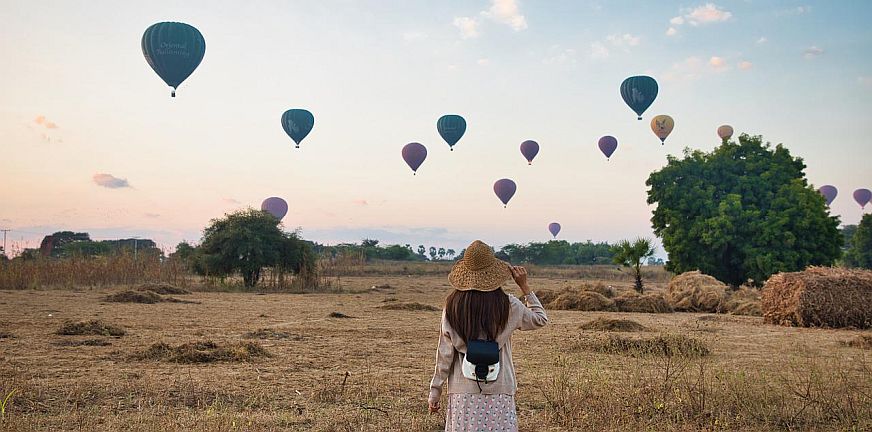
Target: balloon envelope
[(725, 132), (451, 127), (639, 93), (662, 126), (554, 228), (297, 123), (607, 145), (275, 206), (414, 155), (173, 50), (862, 196), (505, 189), (829, 192), (529, 149)]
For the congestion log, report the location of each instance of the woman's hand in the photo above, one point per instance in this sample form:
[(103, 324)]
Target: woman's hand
[(434, 407), (519, 274)]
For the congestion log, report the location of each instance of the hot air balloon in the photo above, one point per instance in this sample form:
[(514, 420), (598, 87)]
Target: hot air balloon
[(451, 127), (607, 145), (297, 123), (829, 192), (639, 93), (275, 206), (725, 132), (554, 228), (505, 189), (529, 149), (662, 126), (862, 196), (173, 50), (414, 155)]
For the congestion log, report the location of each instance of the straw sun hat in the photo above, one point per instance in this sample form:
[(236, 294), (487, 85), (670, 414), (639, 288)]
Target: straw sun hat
[(479, 269)]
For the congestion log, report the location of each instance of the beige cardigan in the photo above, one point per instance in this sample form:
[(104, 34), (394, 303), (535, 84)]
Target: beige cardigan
[(452, 348)]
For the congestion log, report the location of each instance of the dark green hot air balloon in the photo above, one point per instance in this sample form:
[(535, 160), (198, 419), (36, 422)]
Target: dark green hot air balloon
[(451, 127), (639, 93), (173, 50), (297, 123)]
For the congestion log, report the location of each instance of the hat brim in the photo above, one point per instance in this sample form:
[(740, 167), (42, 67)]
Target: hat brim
[(487, 279)]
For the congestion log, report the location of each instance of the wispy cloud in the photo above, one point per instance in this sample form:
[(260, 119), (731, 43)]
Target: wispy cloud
[(507, 12), (718, 63), (688, 69), (110, 181), (231, 201), (44, 122), (558, 55), (468, 27), (483, 61), (745, 65), (598, 50), (798, 10), (762, 40), (624, 40), (706, 14), (812, 52)]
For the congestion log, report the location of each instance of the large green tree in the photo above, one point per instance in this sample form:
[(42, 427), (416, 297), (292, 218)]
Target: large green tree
[(860, 253), (742, 211), (249, 240)]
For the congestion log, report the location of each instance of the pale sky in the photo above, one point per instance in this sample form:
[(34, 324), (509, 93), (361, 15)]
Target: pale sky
[(77, 99)]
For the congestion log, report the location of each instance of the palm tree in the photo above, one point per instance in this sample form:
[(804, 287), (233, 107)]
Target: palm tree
[(632, 254), (450, 253)]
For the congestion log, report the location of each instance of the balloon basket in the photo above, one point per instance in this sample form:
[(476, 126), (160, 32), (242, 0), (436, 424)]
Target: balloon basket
[(640, 118), (173, 93)]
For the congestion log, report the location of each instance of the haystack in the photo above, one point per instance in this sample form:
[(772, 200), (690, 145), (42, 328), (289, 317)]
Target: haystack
[(613, 325), (696, 292), (588, 301), (819, 297), (648, 303), (744, 301), (546, 296)]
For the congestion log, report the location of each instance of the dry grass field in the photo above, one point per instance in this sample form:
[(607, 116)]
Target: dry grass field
[(219, 361)]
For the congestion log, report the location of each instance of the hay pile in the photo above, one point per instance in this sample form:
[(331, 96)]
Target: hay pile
[(648, 303), (162, 288), (144, 297), (744, 301), (545, 296), (599, 287), (669, 345), (613, 325), (6, 335), (272, 334), (863, 341), (696, 292), (93, 327), (570, 299), (819, 297), (203, 352), (411, 306)]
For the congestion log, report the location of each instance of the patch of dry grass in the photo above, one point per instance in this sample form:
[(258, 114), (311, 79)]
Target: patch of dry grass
[(339, 315), (862, 341), (83, 342), (143, 297), (409, 306), (203, 352), (613, 325), (272, 334), (647, 303), (92, 327), (666, 345)]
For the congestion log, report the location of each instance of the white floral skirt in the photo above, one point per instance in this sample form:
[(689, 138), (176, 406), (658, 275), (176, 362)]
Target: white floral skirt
[(481, 413)]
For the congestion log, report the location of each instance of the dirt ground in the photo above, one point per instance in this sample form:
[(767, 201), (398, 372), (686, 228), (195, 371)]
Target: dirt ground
[(369, 371)]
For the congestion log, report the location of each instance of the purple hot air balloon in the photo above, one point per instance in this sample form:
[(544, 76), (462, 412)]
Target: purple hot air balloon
[(862, 196), (529, 149), (505, 189), (554, 228), (607, 145), (414, 155), (275, 206), (829, 192)]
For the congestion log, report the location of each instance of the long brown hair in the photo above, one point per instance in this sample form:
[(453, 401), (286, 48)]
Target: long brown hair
[(473, 314)]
